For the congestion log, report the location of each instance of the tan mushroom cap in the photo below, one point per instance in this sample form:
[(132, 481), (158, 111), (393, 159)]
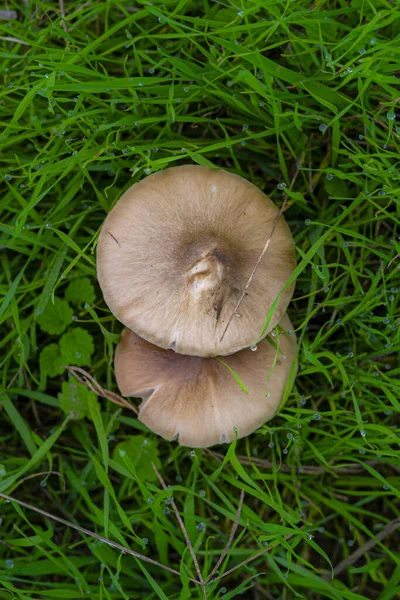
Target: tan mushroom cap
[(197, 400), (175, 254)]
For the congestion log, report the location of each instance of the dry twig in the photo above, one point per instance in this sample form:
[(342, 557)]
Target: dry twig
[(182, 526), (94, 535), (83, 377), (390, 528), (230, 540)]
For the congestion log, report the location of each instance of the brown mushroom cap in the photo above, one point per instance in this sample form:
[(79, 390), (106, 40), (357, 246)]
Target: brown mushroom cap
[(175, 254), (197, 400)]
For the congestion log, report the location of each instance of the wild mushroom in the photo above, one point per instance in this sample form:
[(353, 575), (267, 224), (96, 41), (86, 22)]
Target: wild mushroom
[(175, 254), (197, 400)]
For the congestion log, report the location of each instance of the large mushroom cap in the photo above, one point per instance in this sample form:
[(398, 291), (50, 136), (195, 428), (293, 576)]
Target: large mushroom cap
[(197, 400), (175, 254)]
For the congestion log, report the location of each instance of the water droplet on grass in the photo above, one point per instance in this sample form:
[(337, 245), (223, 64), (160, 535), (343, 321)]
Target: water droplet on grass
[(323, 127), (200, 526), (363, 433), (391, 115), (329, 176), (316, 417)]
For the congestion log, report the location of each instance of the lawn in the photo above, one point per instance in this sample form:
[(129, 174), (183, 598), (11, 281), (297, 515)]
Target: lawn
[(299, 97)]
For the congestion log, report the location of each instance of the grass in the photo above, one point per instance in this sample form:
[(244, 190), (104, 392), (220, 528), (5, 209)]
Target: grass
[(300, 98)]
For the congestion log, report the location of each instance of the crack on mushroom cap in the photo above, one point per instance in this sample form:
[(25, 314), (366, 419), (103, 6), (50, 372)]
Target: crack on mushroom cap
[(197, 398), (184, 259)]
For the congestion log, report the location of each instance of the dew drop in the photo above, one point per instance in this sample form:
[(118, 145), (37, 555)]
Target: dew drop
[(329, 176), (316, 417), (323, 127), (391, 115), (253, 348), (200, 526)]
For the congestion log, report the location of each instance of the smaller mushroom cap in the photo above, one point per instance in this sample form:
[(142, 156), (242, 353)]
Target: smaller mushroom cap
[(197, 400)]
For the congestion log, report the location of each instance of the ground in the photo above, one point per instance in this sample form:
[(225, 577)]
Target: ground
[(301, 99)]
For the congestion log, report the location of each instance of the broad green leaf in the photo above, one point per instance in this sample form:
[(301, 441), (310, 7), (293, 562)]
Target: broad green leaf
[(77, 347), (56, 317), (51, 361), (80, 291), (142, 452), (74, 399)]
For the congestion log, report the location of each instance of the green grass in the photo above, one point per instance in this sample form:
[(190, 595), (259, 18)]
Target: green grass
[(282, 93)]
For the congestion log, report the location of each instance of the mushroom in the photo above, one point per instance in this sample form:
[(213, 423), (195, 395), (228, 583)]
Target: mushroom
[(176, 251), (197, 400)]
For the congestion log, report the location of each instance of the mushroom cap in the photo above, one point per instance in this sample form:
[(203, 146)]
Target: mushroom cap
[(197, 400), (176, 251)]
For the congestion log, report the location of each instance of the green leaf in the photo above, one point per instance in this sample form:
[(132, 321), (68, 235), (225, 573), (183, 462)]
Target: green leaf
[(80, 291), (56, 317), (75, 398), (51, 361), (142, 452), (77, 347)]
